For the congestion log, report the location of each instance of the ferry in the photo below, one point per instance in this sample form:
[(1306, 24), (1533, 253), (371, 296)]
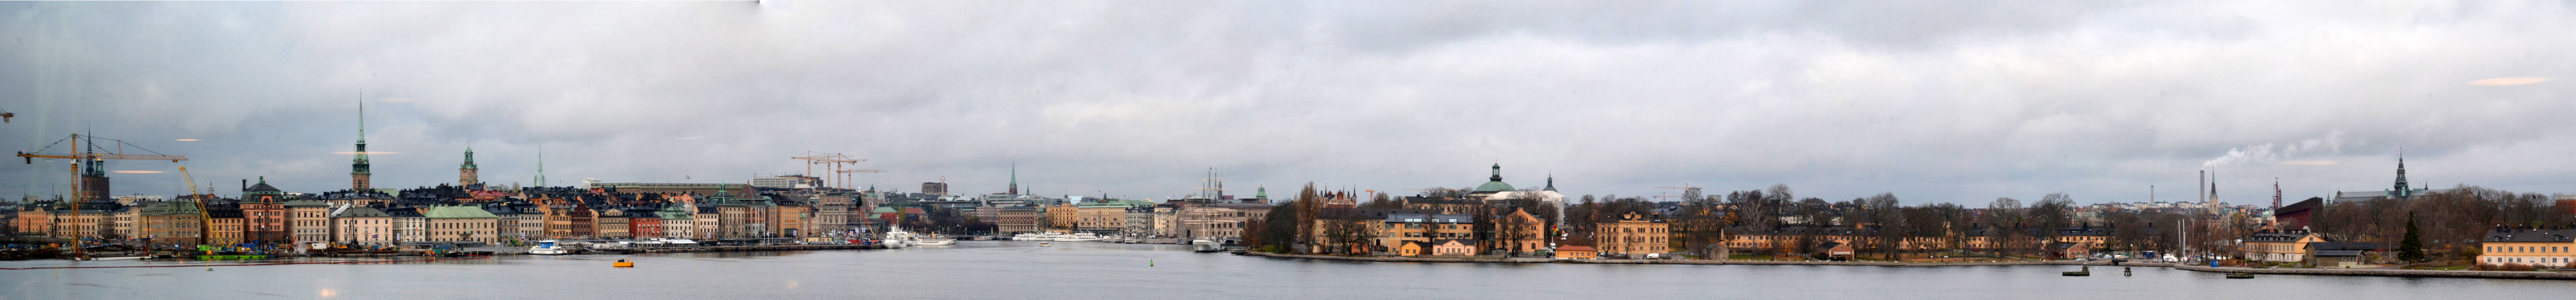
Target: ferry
[(548, 247), (895, 237)]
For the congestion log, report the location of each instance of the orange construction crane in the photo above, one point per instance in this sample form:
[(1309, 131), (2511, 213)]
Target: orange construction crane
[(93, 155)]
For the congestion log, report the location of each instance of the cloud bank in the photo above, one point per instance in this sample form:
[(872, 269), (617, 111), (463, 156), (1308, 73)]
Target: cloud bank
[(1935, 102)]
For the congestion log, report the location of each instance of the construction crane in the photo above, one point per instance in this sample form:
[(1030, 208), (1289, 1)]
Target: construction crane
[(831, 161), (205, 222), (93, 155)]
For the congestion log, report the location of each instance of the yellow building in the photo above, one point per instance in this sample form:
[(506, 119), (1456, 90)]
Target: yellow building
[(1063, 218), (2280, 245), (1398, 229), (1633, 233), (226, 227), (463, 223), (2548, 248), (176, 222), (1519, 232)]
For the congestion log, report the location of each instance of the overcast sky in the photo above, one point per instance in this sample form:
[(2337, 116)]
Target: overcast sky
[(1936, 102)]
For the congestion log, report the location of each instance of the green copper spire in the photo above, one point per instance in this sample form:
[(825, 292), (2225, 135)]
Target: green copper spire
[(360, 165)]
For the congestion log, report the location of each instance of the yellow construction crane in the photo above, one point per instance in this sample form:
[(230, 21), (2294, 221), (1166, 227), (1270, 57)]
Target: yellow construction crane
[(93, 155), (205, 222), (831, 161)]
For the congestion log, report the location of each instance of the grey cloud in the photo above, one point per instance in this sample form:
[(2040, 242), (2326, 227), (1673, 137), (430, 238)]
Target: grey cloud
[(1933, 101)]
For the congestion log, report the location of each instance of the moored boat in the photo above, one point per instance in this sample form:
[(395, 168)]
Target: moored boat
[(548, 247)]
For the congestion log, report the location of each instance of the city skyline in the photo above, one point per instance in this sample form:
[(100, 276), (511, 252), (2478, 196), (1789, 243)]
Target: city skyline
[(1921, 101)]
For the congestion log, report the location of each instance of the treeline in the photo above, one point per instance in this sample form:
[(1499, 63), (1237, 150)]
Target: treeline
[(2457, 218)]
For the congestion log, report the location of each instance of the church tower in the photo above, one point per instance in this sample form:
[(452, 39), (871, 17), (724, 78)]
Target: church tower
[(465, 175), (2401, 192), (1015, 178), (359, 170)]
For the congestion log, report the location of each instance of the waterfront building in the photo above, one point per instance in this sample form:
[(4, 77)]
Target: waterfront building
[(1400, 228), (410, 224), (832, 214), (1139, 221), (1576, 252), (1017, 219), (125, 220), (308, 221), (80, 222), (1834, 250), (363, 226), (263, 210), (644, 224), (1453, 247), (677, 222), (33, 219), (1063, 218), (1633, 233), (176, 222), (611, 224), (2280, 245), (462, 224), (1219, 220), (2547, 248), (224, 226), (1411, 248), (2345, 254), (710, 221), (2068, 250), (1105, 216), (1519, 232)]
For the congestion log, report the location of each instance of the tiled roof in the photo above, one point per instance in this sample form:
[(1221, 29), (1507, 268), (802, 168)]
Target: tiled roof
[(457, 212)]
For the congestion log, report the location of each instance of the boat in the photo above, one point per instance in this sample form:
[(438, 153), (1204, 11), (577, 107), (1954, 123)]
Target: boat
[(2240, 275), (548, 247), (1045, 244), (2087, 271), (932, 240), (621, 263), (895, 237), (1205, 246), (1079, 237)]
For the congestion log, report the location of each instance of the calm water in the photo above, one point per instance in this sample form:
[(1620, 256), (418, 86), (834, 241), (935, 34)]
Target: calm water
[(991, 270)]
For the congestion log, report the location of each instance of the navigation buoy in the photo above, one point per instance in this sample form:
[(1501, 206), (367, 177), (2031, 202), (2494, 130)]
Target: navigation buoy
[(1149, 263)]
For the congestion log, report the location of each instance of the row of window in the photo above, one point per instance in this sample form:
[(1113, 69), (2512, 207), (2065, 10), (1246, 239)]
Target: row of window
[(2527, 249)]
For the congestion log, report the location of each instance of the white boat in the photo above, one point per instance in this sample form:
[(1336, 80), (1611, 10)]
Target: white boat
[(1079, 237), (548, 247), (895, 237), (932, 240), (1205, 246)]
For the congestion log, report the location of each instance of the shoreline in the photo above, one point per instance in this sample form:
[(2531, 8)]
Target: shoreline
[(2389, 273), (2308, 272), (1673, 262)]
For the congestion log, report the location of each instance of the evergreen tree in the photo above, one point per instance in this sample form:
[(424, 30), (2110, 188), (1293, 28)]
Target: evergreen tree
[(2411, 248)]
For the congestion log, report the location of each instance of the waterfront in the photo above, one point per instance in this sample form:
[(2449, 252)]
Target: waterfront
[(991, 269)]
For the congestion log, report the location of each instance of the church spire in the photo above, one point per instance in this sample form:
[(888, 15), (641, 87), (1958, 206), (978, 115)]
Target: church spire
[(360, 171), (2401, 191), (1015, 178), (1551, 181)]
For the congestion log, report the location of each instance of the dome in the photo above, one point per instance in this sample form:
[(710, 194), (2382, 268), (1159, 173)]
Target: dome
[(1494, 186)]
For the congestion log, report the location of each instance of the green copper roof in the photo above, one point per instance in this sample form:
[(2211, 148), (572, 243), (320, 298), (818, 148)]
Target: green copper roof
[(457, 212), (1495, 184)]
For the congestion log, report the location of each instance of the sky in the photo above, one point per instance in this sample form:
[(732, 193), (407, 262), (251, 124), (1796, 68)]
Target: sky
[(1960, 102)]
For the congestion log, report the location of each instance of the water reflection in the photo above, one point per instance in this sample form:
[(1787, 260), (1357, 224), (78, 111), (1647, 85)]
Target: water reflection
[(1004, 269)]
